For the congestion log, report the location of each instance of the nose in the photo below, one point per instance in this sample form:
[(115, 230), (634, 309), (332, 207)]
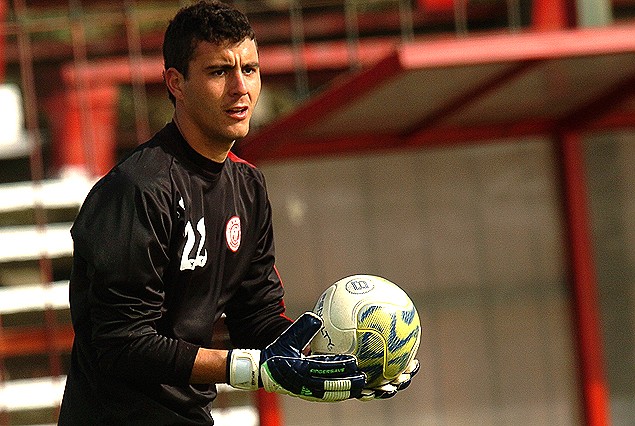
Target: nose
[(238, 83)]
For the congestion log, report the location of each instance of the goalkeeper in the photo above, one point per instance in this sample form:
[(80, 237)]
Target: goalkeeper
[(176, 235)]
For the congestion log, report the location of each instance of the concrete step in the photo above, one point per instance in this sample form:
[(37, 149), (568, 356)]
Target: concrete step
[(20, 243)]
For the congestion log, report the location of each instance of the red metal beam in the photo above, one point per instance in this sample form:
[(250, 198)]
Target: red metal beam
[(518, 47), (273, 60), (595, 393), (317, 147), (616, 120), (444, 136), (419, 54), (311, 147), (378, 142), (291, 131), (601, 106), (332, 55), (113, 71), (321, 105)]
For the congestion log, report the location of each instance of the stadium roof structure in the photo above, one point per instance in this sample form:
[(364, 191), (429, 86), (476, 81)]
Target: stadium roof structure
[(456, 90)]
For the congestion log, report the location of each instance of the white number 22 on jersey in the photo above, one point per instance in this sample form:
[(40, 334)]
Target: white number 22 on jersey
[(200, 258)]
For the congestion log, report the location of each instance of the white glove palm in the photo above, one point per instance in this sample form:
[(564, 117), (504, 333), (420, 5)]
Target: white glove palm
[(390, 389)]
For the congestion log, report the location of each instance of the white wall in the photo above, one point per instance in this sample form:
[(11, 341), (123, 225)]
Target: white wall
[(474, 235), (610, 163)]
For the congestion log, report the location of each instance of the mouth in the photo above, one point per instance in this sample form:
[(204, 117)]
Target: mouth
[(238, 112)]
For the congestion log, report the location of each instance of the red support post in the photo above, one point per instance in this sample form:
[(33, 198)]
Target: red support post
[(84, 129), (269, 410), (4, 5), (595, 397), (436, 6), (551, 14)]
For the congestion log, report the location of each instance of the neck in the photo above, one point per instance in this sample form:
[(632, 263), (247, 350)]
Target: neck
[(200, 142)]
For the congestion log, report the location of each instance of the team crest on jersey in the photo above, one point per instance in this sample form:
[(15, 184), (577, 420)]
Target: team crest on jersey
[(233, 233)]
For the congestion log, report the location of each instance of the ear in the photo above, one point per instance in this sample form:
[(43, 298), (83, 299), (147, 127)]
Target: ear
[(174, 81)]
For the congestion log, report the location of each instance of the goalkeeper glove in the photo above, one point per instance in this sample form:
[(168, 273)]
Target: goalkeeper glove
[(281, 367), (390, 389)]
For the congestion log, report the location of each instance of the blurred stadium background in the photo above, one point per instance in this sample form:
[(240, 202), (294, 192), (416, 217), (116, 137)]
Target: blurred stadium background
[(479, 153)]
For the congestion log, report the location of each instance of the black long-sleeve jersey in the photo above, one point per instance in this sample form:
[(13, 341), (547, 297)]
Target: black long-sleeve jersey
[(163, 245)]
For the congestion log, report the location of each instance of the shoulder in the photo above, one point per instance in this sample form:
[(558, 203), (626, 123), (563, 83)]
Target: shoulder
[(245, 168), (243, 165), (153, 162), (149, 166), (236, 159), (146, 170)]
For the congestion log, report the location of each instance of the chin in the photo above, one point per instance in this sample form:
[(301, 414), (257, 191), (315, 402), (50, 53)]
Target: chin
[(240, 132)]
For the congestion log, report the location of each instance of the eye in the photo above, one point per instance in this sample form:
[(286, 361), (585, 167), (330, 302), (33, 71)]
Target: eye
[(249, 70)]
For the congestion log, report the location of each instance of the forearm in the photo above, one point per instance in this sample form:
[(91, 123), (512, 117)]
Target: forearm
[(210, 366)]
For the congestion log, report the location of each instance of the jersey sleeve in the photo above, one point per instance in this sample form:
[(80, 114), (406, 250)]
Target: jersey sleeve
[(256, 312), (121, 239)]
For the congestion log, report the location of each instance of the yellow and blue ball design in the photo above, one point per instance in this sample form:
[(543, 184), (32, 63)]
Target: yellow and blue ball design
[(387, 338)]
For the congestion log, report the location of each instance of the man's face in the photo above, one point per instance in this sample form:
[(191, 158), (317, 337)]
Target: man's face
[(221, 90)]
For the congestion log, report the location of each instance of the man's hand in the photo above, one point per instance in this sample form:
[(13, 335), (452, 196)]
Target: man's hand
[(390, 389), (281, 367)]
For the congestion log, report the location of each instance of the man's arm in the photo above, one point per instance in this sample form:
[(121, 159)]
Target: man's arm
[(121, 241), (210, 366), (283, 368)]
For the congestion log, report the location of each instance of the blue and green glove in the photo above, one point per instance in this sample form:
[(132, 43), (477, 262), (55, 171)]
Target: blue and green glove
[(282, 368)]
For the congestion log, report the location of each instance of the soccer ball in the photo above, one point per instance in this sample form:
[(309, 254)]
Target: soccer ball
[(373, 319)]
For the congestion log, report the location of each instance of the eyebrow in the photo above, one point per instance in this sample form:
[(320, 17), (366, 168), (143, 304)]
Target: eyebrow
[(226, 66)]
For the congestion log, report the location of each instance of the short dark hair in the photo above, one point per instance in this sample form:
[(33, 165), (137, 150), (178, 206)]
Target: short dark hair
[(211, 21)]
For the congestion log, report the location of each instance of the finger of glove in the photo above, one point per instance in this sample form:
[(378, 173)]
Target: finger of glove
[(402, 381), (403, 385), (332, 366), (367, 395), (382, 392), (385, 394), (405, 379), (315, 371), (385, 391), (406, 376), (297, 336), (413, 367), (326, 358)]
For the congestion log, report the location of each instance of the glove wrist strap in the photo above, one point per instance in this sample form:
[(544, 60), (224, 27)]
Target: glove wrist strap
[(243, 368)]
